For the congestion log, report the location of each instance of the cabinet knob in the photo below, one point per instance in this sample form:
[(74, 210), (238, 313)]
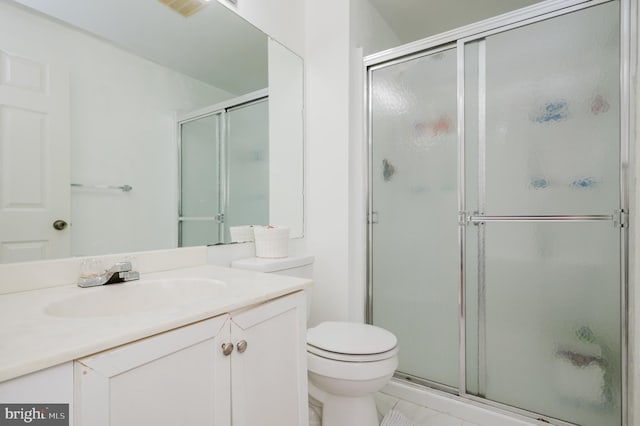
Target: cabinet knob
[(227, 348), (242, 346)]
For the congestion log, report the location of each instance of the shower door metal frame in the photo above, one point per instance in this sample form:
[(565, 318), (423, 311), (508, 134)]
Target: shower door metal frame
[(476, 32)]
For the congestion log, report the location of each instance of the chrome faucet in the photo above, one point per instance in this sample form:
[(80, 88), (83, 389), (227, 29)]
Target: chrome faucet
[(118, 273)]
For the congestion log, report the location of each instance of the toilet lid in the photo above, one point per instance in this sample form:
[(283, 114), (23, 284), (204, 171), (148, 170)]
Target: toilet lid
[(351, 338)]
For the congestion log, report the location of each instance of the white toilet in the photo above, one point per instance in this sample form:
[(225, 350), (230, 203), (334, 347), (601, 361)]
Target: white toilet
[(347, 362)]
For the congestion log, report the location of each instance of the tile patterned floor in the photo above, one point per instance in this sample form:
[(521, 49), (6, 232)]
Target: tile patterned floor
[(421, 416)]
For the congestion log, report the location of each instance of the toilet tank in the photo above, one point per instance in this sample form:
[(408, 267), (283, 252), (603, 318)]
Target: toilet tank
[(294, 266)]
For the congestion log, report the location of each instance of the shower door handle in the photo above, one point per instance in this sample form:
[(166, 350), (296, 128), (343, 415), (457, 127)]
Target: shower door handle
[(542, 218), (373, 218)]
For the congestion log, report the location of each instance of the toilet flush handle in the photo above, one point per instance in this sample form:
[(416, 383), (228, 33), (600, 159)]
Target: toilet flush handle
[(227, 348)]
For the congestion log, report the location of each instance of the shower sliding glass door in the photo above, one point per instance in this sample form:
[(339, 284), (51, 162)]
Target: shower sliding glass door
[(542, 157), (414, 251), (497, 239)]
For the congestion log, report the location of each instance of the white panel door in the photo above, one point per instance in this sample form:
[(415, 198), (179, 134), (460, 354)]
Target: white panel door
[(34, 150)]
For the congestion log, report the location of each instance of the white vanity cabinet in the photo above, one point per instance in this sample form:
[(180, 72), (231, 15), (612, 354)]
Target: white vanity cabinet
[(186, 377)]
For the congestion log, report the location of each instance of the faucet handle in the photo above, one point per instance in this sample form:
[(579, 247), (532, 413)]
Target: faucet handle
[(91, 268), (129, 275), (124, 266)]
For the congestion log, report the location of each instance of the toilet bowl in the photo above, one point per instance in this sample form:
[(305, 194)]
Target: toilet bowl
[(346, 362)]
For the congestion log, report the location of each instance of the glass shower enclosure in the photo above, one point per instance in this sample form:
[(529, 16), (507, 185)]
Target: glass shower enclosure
[(497, 197)]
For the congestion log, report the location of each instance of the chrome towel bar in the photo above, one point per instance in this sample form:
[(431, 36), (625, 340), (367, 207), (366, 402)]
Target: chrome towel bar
[(123, 188)]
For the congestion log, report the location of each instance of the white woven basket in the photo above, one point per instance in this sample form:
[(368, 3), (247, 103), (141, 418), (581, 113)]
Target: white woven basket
[(271, 241)]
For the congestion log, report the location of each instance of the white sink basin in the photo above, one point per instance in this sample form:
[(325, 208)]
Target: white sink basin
[(137, 296)]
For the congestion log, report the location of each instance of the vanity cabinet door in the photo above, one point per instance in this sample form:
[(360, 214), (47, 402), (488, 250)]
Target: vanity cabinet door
[(268, 364), (180, 377)]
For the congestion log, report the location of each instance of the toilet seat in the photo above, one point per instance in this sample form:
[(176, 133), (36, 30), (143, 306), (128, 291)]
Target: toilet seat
[(351, 342), (336, 356)]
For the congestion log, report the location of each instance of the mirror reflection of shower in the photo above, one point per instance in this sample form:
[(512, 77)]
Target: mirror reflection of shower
[(250, 172), (224, 169)]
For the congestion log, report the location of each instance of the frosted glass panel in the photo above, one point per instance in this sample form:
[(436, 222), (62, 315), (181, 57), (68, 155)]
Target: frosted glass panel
[(414, 191), (552, 318), (199, 167), (247, 150), (552, 115), (198, 232)]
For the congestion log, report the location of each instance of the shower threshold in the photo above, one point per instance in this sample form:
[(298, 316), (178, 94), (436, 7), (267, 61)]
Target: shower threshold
[(447, 400)]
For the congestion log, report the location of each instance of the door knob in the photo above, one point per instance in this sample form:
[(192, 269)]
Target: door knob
[(227, 348), (242, 346), (59, 225)]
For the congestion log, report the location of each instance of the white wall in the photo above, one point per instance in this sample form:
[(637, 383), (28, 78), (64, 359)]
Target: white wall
[(327, 144)]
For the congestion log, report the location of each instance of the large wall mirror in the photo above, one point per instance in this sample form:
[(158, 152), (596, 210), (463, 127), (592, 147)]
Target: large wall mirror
[(92, 95)]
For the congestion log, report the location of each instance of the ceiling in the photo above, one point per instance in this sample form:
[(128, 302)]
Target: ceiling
[(214, 45), (413, 20)]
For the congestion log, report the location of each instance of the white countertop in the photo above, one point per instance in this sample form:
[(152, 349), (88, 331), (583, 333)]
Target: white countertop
[(31, 339)]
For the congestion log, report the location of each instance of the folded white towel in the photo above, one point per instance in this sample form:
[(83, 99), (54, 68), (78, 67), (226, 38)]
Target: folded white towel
[(396, 418)]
